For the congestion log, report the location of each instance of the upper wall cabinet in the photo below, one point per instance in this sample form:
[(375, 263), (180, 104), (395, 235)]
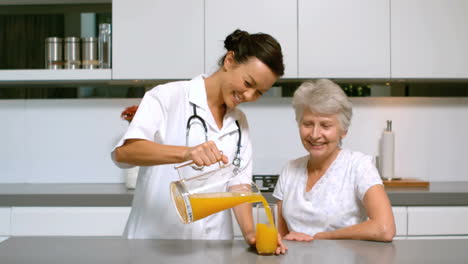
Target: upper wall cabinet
[(274, 17), (429, 38), (157, 39), (344, 39)]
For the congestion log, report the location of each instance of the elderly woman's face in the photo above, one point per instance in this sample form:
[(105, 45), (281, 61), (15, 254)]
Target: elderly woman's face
[(320, 134)]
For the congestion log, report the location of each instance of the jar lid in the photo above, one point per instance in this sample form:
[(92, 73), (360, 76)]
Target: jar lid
[(89, 39), (72, 39), (105, 27), (53, 39)]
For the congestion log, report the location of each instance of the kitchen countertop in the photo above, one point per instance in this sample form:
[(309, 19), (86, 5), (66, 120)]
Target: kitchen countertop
[(438, 194), (102, 250)]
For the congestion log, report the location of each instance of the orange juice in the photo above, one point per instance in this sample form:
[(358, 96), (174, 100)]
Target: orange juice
[(266, 238), (205, 204)]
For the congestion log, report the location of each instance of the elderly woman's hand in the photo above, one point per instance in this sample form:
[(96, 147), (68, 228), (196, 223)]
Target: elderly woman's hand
[(296, 236)]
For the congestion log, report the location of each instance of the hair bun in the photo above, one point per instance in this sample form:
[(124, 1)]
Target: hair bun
[(233, 41), (259, 45)]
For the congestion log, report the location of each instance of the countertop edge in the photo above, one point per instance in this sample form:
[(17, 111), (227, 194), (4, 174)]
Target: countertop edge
[(443, 194)]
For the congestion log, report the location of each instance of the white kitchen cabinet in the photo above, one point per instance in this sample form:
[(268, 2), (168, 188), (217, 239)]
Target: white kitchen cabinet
[(429, 38), (400, 216), (5, 221), (344, 39), (68, 221), (275, 17), (157, 39), (437, 220), (435, 237)]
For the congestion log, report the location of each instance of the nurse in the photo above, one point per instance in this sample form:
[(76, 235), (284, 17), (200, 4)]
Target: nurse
[(157, 137)]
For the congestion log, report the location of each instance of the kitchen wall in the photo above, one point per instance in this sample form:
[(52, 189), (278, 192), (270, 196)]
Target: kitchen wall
[(58, 141)]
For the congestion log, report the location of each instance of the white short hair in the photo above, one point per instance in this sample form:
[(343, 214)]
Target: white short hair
[(323, 97)]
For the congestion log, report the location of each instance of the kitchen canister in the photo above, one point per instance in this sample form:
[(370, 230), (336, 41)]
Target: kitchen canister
[(72, 57), (105, 46), (53, 53), (89, 53)]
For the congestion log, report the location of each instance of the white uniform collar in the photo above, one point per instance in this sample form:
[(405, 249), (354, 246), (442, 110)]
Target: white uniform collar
[(197, 92), (197, 95)]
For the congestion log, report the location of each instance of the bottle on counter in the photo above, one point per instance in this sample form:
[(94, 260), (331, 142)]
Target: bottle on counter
[(387, 153), (105, 46)]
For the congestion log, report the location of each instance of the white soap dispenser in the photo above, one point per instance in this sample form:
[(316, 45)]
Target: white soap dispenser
[(387, 153)]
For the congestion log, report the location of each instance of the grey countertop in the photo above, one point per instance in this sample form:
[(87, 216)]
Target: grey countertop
[(438, 194), (102, 250)]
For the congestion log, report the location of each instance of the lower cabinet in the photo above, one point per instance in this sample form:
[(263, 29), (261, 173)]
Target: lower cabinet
[(5, 219), (400, 216), (68, 221), (412, 222), (437, 220)]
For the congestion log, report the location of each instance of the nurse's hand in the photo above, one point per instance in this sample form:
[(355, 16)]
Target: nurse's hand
[(281, 249), (205, 154), (296, 236)]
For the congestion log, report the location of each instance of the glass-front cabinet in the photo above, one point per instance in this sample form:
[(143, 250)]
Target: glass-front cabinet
[(50, 41)]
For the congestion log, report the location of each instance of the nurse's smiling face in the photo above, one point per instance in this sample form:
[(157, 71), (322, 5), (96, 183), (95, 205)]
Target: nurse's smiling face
[(245, 82)]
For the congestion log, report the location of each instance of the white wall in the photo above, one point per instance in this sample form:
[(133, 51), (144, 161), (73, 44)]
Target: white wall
[(60, 140), (431, 134), (69, 140)]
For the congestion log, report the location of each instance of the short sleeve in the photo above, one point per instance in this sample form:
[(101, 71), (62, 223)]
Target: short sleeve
[(148, 121), (278, 193), (366, 177)]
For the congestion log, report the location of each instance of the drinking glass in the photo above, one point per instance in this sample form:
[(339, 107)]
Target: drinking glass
[(266, 235)]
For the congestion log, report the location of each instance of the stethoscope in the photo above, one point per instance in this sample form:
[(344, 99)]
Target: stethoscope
[(237, 160)]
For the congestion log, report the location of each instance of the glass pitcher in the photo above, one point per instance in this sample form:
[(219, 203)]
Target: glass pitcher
[(210, 192)]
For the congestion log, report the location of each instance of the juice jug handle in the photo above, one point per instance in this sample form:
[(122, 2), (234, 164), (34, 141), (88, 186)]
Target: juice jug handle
[(190, 162)]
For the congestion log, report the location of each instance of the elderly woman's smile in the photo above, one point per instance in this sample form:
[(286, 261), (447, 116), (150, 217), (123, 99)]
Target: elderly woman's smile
[(320, 134)]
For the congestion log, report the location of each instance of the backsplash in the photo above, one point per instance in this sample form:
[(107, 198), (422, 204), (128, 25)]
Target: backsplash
[(69, 140)]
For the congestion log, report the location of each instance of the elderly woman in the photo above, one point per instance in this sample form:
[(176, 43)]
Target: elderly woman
[(331, 193)]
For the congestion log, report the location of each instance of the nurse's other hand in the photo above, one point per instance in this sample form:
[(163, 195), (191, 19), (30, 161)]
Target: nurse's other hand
[(296, 236), (250, 239), (205, 154), (282, 248)]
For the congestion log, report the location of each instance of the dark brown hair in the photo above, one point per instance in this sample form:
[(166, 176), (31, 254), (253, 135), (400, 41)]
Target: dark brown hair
[(262, 46)]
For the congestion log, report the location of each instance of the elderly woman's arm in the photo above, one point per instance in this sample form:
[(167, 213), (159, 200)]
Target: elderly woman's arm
[(380, 225), (283, 230)]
